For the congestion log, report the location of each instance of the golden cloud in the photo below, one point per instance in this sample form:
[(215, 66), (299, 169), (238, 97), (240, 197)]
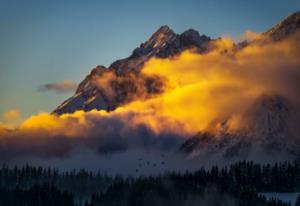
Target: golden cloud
[(200, 92), (222, 84)]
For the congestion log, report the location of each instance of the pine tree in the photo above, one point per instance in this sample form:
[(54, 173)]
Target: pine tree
[(298, 201)]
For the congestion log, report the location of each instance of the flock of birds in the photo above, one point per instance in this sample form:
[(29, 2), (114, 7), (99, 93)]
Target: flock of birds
[(146, 163)]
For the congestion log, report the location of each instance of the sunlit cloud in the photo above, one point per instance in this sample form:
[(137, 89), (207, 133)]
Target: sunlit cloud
[(12, 115), (203, 89), (200, 92)]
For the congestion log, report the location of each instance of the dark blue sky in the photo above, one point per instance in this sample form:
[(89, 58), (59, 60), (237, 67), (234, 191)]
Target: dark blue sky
[(49, 41)]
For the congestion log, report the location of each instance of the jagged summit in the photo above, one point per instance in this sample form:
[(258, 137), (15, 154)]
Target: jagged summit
[(160, 37), (191, 34), (158, 40), (124, 73), (192, 37), (163, 29), (287, 26), (164, 43)]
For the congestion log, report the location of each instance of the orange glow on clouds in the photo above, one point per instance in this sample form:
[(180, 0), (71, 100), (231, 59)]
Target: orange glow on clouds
[(201, 90)]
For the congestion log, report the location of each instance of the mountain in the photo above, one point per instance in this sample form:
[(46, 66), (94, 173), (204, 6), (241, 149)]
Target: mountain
[(268, 131), (286, 27), (268, 119), (107, 88)]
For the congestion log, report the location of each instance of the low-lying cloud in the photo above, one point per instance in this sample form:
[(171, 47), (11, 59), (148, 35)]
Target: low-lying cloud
[(45, 135)]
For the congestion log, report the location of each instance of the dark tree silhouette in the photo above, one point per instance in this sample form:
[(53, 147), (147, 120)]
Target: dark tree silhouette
[(237, 184)]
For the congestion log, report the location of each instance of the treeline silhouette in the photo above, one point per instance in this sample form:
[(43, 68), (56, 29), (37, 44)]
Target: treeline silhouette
[(238, 184), (37, 195)]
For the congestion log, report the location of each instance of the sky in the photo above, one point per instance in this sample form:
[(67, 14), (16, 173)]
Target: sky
[(44, 42)]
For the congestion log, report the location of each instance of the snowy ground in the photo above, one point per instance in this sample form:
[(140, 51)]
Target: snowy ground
[(285, 197)]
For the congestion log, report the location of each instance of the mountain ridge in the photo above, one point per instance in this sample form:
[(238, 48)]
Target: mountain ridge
[(284, 28), (124, 73), (162, 44)]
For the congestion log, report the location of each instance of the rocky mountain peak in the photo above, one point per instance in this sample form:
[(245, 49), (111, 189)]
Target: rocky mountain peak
[(164, 43), (192, 37), (163, 35), (191, 34), (287, 26), (99, 69), (164, 29)]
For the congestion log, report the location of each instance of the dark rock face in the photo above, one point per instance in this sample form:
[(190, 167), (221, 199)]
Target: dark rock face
[(200, 140), (269, 116), (221, 144), (106, 89)]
